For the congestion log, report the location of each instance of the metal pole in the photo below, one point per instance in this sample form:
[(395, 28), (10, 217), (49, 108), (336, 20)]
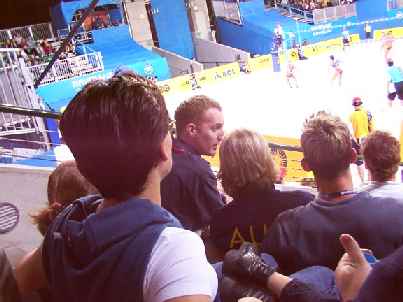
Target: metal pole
[(66, 41), (29, 112)]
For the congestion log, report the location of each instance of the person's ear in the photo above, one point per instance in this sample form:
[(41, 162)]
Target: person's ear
[(191, 129), (305, 166), (166, 148)]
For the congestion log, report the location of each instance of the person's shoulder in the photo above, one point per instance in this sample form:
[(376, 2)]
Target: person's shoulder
[(190, 161), (290, 216), (179, 242), (233, 210), (189, 164), (174, 235), (385, 200), (303, 195)]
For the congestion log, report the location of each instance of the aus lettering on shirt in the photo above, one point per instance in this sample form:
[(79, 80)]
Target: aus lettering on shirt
[(238, 238)]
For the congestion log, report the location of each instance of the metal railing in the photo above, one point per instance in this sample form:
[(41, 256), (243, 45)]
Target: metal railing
[(228, 10), (81, 36), (84, 37), (16, 89), (303, 13), (41, 31), (333, 13), (394, 4), (69, 68)]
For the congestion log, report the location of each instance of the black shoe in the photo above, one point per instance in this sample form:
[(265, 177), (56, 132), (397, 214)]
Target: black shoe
[(246, 265), (231, 291), (248, 247)]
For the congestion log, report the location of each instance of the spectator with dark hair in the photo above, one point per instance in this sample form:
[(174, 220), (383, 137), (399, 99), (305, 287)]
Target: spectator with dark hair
[(46, 47), (248, 174), (382, 159), (190, 190), (122, 246), (307, 235), (65, 185)]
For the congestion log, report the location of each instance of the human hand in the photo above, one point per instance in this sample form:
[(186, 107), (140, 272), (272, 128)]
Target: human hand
[(352, 269)]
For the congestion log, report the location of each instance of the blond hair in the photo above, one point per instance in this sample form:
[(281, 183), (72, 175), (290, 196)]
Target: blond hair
[(245, 159), (326, 145)]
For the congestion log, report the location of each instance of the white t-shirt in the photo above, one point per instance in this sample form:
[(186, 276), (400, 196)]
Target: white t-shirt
[(178, 267)]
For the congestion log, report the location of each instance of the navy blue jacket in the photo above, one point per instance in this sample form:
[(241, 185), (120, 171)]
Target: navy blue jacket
[(103, 256), (249, 216), (309, 235), (190, 190)]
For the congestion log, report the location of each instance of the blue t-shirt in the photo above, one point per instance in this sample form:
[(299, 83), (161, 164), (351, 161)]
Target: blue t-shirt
[(395, 74)]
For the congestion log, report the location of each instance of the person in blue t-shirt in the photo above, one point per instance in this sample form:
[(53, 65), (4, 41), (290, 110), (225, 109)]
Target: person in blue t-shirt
[(395, 74)]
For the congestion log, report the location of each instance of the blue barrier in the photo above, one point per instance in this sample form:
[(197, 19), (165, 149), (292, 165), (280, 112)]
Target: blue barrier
[(172, 25), (256, 33)]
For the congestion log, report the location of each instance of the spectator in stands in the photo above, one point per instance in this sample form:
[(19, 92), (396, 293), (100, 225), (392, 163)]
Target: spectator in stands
[(278, 36), (190, 190), (296, 239), (65, 185), (248, 174), (362, 124), (46, 47), (382, 159), (122, 246)]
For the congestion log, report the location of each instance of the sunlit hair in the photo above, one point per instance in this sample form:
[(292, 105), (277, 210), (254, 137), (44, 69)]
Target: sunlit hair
[(65, 184), (115, 129), (245, 159), (191, 111), (382, 155), (326, 145)]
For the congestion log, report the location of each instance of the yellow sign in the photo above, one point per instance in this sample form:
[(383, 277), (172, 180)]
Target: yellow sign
[(217, 74), (397, 32), (177, 84), (323, 47), (355, 38), (289, 162), (259, 63)]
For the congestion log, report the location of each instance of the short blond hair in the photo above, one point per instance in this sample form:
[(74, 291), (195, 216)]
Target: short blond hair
[(192, 110), (326, 145), (245, 159)]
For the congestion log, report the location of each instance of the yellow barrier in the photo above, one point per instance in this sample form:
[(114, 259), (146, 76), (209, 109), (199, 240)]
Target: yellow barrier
[(289, 162), (177, 84), (217, 74), (397, 32), (259, 63), (206, 77), (322, 47)]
